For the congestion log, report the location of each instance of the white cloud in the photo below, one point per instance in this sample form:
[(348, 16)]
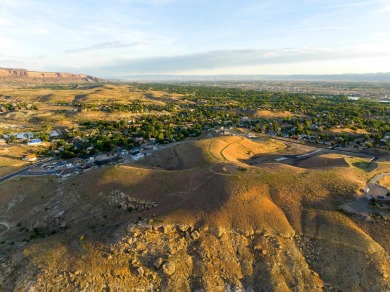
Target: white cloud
[(5, 63), (105, 45), (312, 29), (228, 61), (5, 21), (383, 10), (147, 2)]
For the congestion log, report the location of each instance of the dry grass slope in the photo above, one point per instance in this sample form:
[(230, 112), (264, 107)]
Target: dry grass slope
[(202, 153), (385, 181), (272, 227)]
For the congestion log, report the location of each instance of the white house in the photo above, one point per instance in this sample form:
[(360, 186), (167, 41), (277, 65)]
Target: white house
[(21, 135), (54, 134), (137, 156), (34, 142), (24, 135), (30, 158), (124, 152)]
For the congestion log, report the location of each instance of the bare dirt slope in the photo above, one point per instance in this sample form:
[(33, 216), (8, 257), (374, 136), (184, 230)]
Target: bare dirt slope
[(269, 114), (215, 226)]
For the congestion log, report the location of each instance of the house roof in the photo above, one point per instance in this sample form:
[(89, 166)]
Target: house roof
[(35, 141), (54, 133), (31, 156)]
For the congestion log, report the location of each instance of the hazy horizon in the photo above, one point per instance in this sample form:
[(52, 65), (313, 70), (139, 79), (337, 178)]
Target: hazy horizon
[(124, 38)]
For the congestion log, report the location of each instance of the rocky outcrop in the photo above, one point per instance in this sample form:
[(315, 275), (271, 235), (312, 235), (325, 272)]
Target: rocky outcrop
[(146, 256), (125, 202)]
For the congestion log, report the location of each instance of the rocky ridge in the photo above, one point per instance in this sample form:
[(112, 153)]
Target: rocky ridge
[(20, 74)]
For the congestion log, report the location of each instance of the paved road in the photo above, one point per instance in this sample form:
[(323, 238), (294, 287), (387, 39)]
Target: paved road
[(334, 149), (24, 171), (376, 178), (28, 170), (375, 188), (360, 206)]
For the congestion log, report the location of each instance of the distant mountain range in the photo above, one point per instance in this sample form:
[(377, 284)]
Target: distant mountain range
[(13, 75), (22, 75), (366, 77)]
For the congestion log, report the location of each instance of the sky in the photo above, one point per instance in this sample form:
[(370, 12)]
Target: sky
[(122, 38)]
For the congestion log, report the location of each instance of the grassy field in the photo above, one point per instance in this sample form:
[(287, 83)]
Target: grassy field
[(56, 109), (266, 114), (11, 158), (95, 95)]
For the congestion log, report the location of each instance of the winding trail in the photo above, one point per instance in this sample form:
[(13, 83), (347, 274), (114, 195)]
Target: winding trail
[(224, 148), (376, 178), (212, 141), (7, 226)]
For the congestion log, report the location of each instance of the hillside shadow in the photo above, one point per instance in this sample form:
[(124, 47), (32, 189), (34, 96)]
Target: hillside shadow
[(260, 159), (366, 166), (45, 98), (181, 194), (180, 157), (80, 98)]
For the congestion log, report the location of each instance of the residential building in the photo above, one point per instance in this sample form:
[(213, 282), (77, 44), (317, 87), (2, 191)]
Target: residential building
[(34, 142), (30, 158), (138, 155)]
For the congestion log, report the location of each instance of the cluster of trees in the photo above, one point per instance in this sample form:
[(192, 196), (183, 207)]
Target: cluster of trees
[(204, 107), (327, 111), (18, 106), (133, 106), (164, 128)]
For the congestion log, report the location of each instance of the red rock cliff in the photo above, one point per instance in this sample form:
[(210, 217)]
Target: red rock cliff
[(21, 73)]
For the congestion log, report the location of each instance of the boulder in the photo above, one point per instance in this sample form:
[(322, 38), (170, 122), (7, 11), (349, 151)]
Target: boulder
[(182, 227), (258, 246), (195, 235), (140, 271), (218, 232), (167, 229), (157, 263), (169, 269)]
